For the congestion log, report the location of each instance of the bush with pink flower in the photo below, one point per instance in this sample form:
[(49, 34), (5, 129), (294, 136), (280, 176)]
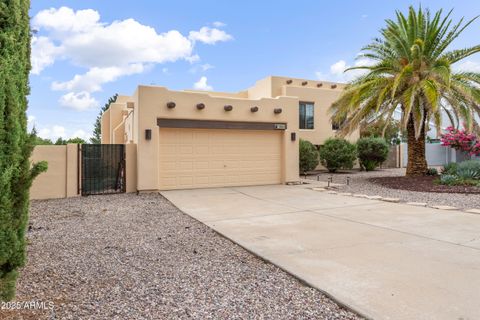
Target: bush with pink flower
[(461, 140)]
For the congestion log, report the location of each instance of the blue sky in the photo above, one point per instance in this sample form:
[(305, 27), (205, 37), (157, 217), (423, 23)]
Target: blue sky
[(85, 51)]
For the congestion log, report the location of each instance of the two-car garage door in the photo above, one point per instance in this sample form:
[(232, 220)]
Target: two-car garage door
[(199, 158)]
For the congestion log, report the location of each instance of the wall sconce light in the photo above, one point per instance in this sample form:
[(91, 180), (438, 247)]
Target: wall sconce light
[(304, 83), (293, 136), (228, 108), (254, 109), (277, 110), (148, 134), (200, 106), (171, 105), (289, 81), (334, 86), (319, 85)]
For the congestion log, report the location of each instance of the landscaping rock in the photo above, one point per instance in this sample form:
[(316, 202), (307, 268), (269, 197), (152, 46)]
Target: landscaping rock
[(395, 200), (445, 207), (145, 259), (477, 211), (418, 204), (360, 183)]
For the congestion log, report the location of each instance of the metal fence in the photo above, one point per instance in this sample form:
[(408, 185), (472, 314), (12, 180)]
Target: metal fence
[(102, 169)]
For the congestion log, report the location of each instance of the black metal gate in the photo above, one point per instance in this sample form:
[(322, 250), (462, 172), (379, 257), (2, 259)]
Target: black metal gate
[(103, 168)]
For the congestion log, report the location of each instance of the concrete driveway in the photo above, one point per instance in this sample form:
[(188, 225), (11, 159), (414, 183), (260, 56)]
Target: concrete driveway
[(384, 260)]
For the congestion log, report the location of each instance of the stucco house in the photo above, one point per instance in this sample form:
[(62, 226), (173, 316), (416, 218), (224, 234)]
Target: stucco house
[(195, 139)]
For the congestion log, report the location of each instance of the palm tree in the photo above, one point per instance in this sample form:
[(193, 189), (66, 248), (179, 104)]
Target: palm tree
[(411, 71)]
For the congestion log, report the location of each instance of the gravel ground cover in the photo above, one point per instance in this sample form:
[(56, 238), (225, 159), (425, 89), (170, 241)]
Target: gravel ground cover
[(361, 182), (138, 257)]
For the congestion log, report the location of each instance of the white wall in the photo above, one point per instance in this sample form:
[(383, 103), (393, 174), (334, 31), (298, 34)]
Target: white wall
[(437, 155)]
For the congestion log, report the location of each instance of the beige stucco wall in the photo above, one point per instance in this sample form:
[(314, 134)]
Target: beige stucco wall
[(151, 105), (131, 167), (105, 129), (60, 180)]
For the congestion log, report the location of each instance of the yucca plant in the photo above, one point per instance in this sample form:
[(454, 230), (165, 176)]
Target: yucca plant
[(411, 71)]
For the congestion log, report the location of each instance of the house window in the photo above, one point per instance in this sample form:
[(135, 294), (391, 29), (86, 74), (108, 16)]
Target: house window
[(306, 115)]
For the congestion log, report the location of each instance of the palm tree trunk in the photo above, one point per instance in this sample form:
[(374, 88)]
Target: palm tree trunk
[(417, 163)]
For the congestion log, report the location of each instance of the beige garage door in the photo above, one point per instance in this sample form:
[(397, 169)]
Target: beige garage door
[(200, 158)]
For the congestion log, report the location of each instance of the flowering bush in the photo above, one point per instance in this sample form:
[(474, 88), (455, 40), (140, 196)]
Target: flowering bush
[(461, 140)]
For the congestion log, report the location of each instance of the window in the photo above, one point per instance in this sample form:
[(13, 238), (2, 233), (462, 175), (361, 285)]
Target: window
[(306, 115)]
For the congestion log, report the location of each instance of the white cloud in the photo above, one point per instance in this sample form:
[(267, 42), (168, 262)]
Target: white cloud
[(81, 134), (92, 80), (206, 67), (108, 51), (65, 20), (54, 132), (467, 66), (337, 71), (219, 24), (209, 35), (338, 68), (202, 67), (44, 53), (201, 84), (78, 100)]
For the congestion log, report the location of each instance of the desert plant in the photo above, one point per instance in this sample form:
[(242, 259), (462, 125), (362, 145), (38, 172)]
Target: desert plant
[(337, 153), (16, 144), (469, 170), (372, 152), (97, 127), (450, 168), (410, 69), (432, 172), (308, 156), (449, 179)]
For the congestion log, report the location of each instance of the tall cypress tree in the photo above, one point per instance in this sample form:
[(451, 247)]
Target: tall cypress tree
[(97, 127), (16, 144)]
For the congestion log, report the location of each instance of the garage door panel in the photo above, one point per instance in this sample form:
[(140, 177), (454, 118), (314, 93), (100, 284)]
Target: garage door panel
[(199, 158)]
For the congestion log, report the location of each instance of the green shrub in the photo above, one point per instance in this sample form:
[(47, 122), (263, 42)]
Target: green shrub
[(450, 168), (337, 154), (308, 156), (469, 170), (448, 179), (372, 152), (16, 169), (432, 172)]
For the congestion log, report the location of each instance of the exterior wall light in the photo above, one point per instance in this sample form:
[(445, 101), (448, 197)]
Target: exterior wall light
[(289, 81), (254, 109), (304, 83), (148, 134), (171, 105), (228, 108), (200, 106), (334, 86), (319, 85), (293, 136), (277, 110)]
